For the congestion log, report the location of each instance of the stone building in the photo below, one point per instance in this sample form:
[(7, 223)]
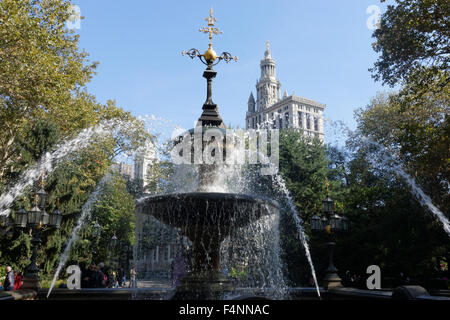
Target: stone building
[(126, 170), (269, 109)]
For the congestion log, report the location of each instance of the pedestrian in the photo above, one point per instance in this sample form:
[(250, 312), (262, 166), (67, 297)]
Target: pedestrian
[(17, 280), (133, 283), (99, 278), (104, 281), (178, 269), (115, 282), (91, 276), (9, 280), (84, 275)]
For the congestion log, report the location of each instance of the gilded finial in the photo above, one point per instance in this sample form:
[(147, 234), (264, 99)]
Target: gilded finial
[(267, 45), (211, 19), (36, 199), (328, 185), (210, 54), (210, 57)]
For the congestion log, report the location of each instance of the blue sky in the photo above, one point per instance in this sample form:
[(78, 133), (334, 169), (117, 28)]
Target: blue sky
[(322, 49)]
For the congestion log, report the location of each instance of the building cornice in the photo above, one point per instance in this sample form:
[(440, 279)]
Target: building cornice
[(289, 99)]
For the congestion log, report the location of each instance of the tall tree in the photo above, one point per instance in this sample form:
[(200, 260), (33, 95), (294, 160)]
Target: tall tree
[(41, 65), (414, 42), (303, 166)]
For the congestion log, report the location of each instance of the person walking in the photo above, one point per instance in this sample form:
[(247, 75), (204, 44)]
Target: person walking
[(103, 275), (133, 283), (17, 280), (9, 280), (91, 276)]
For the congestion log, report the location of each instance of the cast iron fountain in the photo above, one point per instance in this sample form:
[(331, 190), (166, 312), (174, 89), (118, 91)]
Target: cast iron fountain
[(207, 218)]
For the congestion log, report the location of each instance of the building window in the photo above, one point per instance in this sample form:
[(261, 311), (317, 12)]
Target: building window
[(253, 123), (280, 123), (308, 121), (316, 124), (300, 120), (286, 117)]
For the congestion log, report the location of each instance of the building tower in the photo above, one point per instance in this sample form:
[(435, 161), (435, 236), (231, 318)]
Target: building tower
[(290, 111), (142, 161), (268, 86)]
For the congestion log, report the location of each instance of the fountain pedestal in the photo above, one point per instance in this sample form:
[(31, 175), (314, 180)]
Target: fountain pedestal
[(331, 279), (204, 285)]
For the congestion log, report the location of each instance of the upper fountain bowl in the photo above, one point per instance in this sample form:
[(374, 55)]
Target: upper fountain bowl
[(201, 211)]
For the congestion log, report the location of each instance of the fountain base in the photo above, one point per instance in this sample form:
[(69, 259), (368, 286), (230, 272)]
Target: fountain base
[(204, 285)]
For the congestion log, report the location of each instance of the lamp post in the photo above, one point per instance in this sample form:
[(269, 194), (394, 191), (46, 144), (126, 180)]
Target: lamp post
[(96, 233), (113, 244), (331, 223), (37, 219)]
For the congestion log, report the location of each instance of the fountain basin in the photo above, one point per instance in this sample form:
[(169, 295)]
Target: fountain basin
[(206, 218)]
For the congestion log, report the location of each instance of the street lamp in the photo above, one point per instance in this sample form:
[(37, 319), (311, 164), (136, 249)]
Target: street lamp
[(34, 215), (331, 223), (328, 205), (112, 245), (96, 232), (55, 218), (21, 217), (316, 223), (37, 220), (113, 241)]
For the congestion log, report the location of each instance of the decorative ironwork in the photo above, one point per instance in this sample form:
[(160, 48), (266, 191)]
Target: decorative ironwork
[(210, 58), (194, 53), (210, 28), (210, 115)]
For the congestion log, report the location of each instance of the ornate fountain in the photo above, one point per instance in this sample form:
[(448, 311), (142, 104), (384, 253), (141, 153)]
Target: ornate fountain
[(207, 218)]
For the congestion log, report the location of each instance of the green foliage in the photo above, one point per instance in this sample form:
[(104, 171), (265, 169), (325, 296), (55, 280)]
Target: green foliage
[(16, 253), (41, 67), (44, 101), (114, 211), (413, 39), (418, 135), (303, 165), (389, 227), (239, 273)]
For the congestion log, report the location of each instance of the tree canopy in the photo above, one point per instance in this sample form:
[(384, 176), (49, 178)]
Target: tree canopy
[(414, 42)]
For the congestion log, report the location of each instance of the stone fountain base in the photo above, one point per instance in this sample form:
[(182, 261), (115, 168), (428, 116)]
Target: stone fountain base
[(204, 285)]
